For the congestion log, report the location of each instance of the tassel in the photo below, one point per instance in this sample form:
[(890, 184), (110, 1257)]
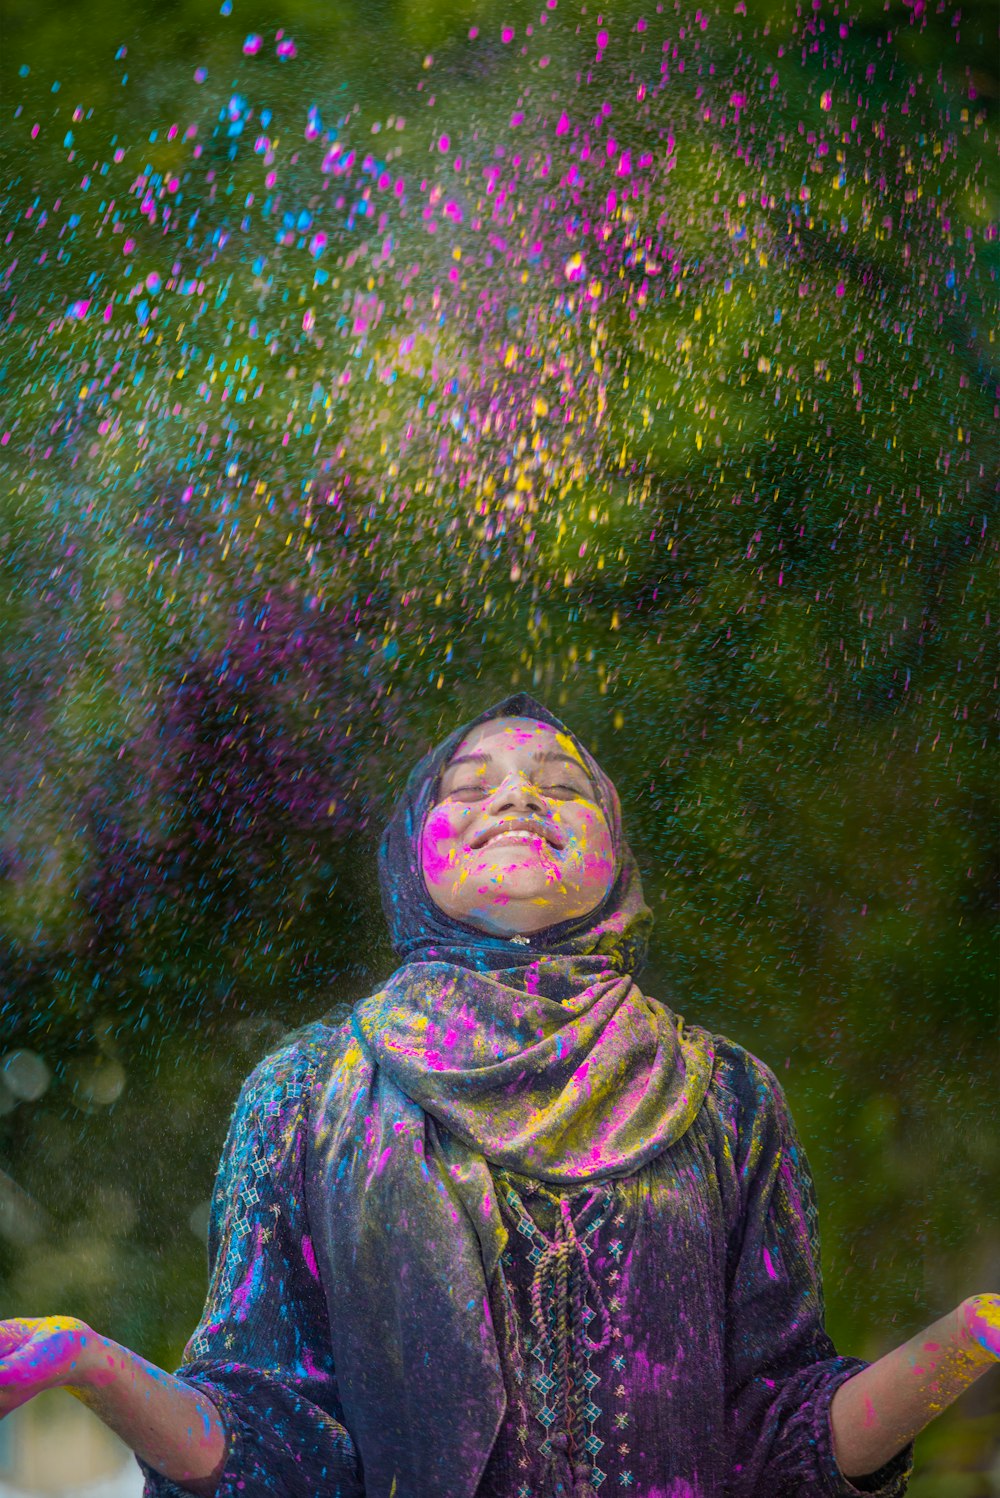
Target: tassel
[(584, 1487), (562, 1475), (569, 1482)]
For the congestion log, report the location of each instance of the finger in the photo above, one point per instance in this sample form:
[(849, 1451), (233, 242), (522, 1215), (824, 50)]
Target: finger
[(13, 1332), (35, 1366)]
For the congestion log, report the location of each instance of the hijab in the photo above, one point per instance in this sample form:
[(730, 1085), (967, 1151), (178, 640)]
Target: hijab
[(539, 1055)]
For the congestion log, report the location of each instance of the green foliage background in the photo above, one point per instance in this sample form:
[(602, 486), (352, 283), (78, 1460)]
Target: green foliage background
[(755, 570)]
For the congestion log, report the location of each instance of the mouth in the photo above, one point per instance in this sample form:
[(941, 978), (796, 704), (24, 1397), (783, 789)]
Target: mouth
[(517, 831)]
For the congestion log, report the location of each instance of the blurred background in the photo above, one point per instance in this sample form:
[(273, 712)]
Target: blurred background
[(363, 361)]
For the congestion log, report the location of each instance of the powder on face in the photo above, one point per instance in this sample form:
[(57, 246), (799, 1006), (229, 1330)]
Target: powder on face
[(517, 840)]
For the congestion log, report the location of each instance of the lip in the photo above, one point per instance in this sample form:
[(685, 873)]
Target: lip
[(517, 824), (513, 840)]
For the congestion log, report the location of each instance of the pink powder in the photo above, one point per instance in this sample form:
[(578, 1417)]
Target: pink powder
[(309, 1256)]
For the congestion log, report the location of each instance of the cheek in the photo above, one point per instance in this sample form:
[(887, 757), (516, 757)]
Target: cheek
[(441, 836), (590, 841), (599, 866)]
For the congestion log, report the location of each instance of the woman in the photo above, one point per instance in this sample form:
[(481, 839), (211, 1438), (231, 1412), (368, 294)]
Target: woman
[(513, 1229)]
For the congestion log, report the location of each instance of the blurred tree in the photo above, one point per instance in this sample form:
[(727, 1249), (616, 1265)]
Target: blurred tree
[(363, 363)]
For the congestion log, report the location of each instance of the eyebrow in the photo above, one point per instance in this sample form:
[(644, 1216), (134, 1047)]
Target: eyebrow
[(540, 757)]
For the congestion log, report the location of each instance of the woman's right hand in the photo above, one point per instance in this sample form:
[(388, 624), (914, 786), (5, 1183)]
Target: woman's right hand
[(39, 1353), (170, 1425)]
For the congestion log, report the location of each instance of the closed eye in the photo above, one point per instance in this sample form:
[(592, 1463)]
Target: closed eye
[(487, 790)]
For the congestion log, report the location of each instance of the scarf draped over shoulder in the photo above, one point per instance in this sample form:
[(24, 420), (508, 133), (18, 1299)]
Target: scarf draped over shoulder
[(542, 1056)]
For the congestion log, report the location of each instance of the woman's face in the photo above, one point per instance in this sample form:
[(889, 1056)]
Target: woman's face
[(516, 840)]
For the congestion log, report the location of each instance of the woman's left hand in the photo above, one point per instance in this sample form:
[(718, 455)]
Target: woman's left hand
[(877, 1411), (982, 1322)]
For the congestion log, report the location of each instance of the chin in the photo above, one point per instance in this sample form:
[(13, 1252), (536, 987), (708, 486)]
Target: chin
[(518, 884), (508, 915)]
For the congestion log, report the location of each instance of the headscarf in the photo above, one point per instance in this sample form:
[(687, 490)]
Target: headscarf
[(542, 1057), (540, 1054), (421, 932)]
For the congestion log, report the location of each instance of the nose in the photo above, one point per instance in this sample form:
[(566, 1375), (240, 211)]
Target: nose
[(517, 792)]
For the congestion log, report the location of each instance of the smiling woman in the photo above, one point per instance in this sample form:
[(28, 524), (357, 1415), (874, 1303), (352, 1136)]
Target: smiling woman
[(518, 840), (514, 1229)]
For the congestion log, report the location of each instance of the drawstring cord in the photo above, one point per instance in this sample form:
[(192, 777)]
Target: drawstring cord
[(562, 1267)]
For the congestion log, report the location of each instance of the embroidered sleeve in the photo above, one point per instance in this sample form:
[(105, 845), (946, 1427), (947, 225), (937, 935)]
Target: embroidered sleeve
[(782, 1367), (261, 1351)]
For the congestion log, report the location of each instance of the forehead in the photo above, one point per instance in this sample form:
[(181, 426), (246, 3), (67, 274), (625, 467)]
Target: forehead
[(520, 737)]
